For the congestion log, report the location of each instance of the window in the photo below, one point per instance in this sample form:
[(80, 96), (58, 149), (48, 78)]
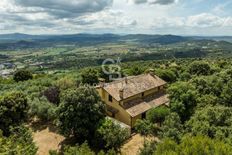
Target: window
[(142, 94), (110, 98), (143, 115)]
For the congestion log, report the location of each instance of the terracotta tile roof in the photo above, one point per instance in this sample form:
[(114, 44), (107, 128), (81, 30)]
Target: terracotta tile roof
[(143, 105), (133, 85), (138, 109)]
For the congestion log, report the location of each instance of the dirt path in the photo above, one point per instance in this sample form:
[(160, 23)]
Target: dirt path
[(47, 140), (133, 145), (45, 137)]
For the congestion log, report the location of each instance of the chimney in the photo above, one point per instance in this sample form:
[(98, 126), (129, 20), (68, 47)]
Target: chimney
[(151, 72), (101, 82), (121, 91), (126, 80)]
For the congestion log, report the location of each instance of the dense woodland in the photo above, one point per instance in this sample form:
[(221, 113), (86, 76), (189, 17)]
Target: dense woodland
[(198, 120)]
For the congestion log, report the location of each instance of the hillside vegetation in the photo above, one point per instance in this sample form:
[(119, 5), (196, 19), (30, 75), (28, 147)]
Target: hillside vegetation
[(200, 108)]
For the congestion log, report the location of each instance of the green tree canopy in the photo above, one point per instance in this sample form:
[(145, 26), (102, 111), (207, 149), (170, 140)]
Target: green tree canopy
[(52, 94), (199, 68), (226, 95), (112, 135), (167, 75), (143, 127), (90, 76), (82, 149), (136, 70), (13, 110), (22, 75), (213, 121), (199, 145), (183, 99), (80, 112), (157, 115), (19, 142), (172, 128)]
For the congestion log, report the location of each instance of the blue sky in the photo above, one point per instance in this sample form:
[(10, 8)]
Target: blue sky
[(180, 17)]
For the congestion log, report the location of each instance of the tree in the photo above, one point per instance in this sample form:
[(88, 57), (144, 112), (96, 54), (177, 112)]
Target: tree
[(199, 145), (143, 127), (167, 147), (65, 83), (13, 110), (199, 68), (146, 128), (209, 85), (82, 149), (20, 141), (212, 121), (157, 115), (80, 112), (148, 148), (42, 109), (90, 76), (112, 135), (172, 128), (226, 94), (183, 99), (136, 70), (167, 75), (79, 150), (103, 74), (52, 94), (22, 75)]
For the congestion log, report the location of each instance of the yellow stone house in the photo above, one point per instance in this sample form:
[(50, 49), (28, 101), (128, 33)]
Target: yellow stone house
[(129, 98)]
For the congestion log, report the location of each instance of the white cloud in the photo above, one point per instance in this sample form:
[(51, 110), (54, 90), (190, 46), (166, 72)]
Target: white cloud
[(203, 20), (66, 8), (208, 20), (109, 16), (160, 2)]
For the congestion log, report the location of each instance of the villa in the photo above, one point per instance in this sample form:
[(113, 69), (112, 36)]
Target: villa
[(129, 98)]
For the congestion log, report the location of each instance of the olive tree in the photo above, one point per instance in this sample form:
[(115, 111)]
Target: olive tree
[(111, 135), (22, 75), (80, 112), (13, 110)]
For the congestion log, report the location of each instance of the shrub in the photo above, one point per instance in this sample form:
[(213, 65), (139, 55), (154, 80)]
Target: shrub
[(22, 75), (157, 115), (112, 135), (193, 145), (13, 110), (53, 95), (90, 76), (199, 68), (19, 142), (42, 109)]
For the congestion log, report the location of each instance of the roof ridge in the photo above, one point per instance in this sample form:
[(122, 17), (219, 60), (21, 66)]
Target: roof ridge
[(128, 78)]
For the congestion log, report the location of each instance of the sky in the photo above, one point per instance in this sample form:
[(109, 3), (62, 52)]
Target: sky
[(177, 17)]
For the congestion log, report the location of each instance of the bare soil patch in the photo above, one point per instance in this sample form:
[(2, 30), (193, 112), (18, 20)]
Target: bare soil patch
[(46, 138)]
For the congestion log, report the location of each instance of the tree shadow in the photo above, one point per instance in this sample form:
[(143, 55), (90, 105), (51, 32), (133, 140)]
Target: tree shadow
[(38, 126), (71, 141)]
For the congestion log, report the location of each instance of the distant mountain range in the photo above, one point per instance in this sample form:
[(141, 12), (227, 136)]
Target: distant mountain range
[(18, 40)]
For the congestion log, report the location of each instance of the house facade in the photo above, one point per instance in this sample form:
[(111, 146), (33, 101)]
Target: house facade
[(128, 99)]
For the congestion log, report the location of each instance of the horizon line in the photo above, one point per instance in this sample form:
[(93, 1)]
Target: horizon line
[(119, 34)]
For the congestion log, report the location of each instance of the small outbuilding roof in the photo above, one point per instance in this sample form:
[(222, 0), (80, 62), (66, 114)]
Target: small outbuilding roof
[(139, 106)]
